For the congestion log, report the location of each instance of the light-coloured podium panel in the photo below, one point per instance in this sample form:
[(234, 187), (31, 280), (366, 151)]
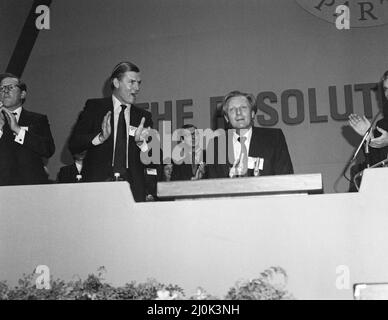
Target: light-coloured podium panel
[(281, 184), (374, 180), (212, 243)]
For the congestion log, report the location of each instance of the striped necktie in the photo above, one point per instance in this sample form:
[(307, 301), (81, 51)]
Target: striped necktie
[(242, 165)]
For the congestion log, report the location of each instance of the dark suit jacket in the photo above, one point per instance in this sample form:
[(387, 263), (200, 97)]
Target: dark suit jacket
[(376, 155), (181, 172), (266, 143), (68, 174), (184, 171), (97, 165), (6, 161), (24, 162)]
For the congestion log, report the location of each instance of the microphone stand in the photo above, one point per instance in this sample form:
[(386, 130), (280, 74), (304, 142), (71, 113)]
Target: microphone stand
[(366, 150), (364, 138)]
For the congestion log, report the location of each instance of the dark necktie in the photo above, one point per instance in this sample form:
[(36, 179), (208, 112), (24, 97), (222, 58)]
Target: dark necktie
[(193, 164), (120, 161), (243, 160)]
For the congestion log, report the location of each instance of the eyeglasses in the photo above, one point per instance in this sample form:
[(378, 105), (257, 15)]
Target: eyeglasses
[(8, 88)]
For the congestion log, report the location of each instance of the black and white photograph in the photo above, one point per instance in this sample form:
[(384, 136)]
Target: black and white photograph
[(210, 151)]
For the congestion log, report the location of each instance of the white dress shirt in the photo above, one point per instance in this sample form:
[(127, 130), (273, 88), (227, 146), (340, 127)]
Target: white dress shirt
[(235, 170), (78, 165), (237, 145)]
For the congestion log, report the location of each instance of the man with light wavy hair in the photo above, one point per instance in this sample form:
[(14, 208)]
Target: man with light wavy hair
[(250, 151)]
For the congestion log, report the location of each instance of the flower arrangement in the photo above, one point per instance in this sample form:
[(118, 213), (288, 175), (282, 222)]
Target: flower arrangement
[(270, 285)]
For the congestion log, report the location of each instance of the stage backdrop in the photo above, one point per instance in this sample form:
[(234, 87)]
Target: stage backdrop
[(308, 74), (12, 17)]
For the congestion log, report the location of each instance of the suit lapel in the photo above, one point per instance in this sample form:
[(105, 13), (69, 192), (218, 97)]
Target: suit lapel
[(255, 144), (260, 147), (135, 117), (108, 106), (24, 118), (228, 149), (74, 170)]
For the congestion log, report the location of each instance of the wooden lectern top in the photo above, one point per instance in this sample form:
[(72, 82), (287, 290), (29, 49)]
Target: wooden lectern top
[(280, 184)]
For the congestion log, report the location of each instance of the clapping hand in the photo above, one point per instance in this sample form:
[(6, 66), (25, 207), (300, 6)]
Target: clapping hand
[(12, 122), (359, 124), (106, 128)]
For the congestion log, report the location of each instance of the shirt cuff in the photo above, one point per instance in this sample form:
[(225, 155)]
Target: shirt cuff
[(96, 141), (143, 147), (20, 137)]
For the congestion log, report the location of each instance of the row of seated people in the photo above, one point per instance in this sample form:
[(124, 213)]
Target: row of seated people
[(112, 134)]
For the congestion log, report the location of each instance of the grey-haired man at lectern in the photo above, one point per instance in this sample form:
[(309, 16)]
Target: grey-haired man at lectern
[(113, 131), (249, 150)]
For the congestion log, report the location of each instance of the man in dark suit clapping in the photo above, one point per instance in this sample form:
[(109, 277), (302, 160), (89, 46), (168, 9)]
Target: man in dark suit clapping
[(114, 132), (25, 136)]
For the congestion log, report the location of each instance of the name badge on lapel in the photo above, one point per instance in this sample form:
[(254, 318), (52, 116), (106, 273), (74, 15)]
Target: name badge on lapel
[(152, 172)]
